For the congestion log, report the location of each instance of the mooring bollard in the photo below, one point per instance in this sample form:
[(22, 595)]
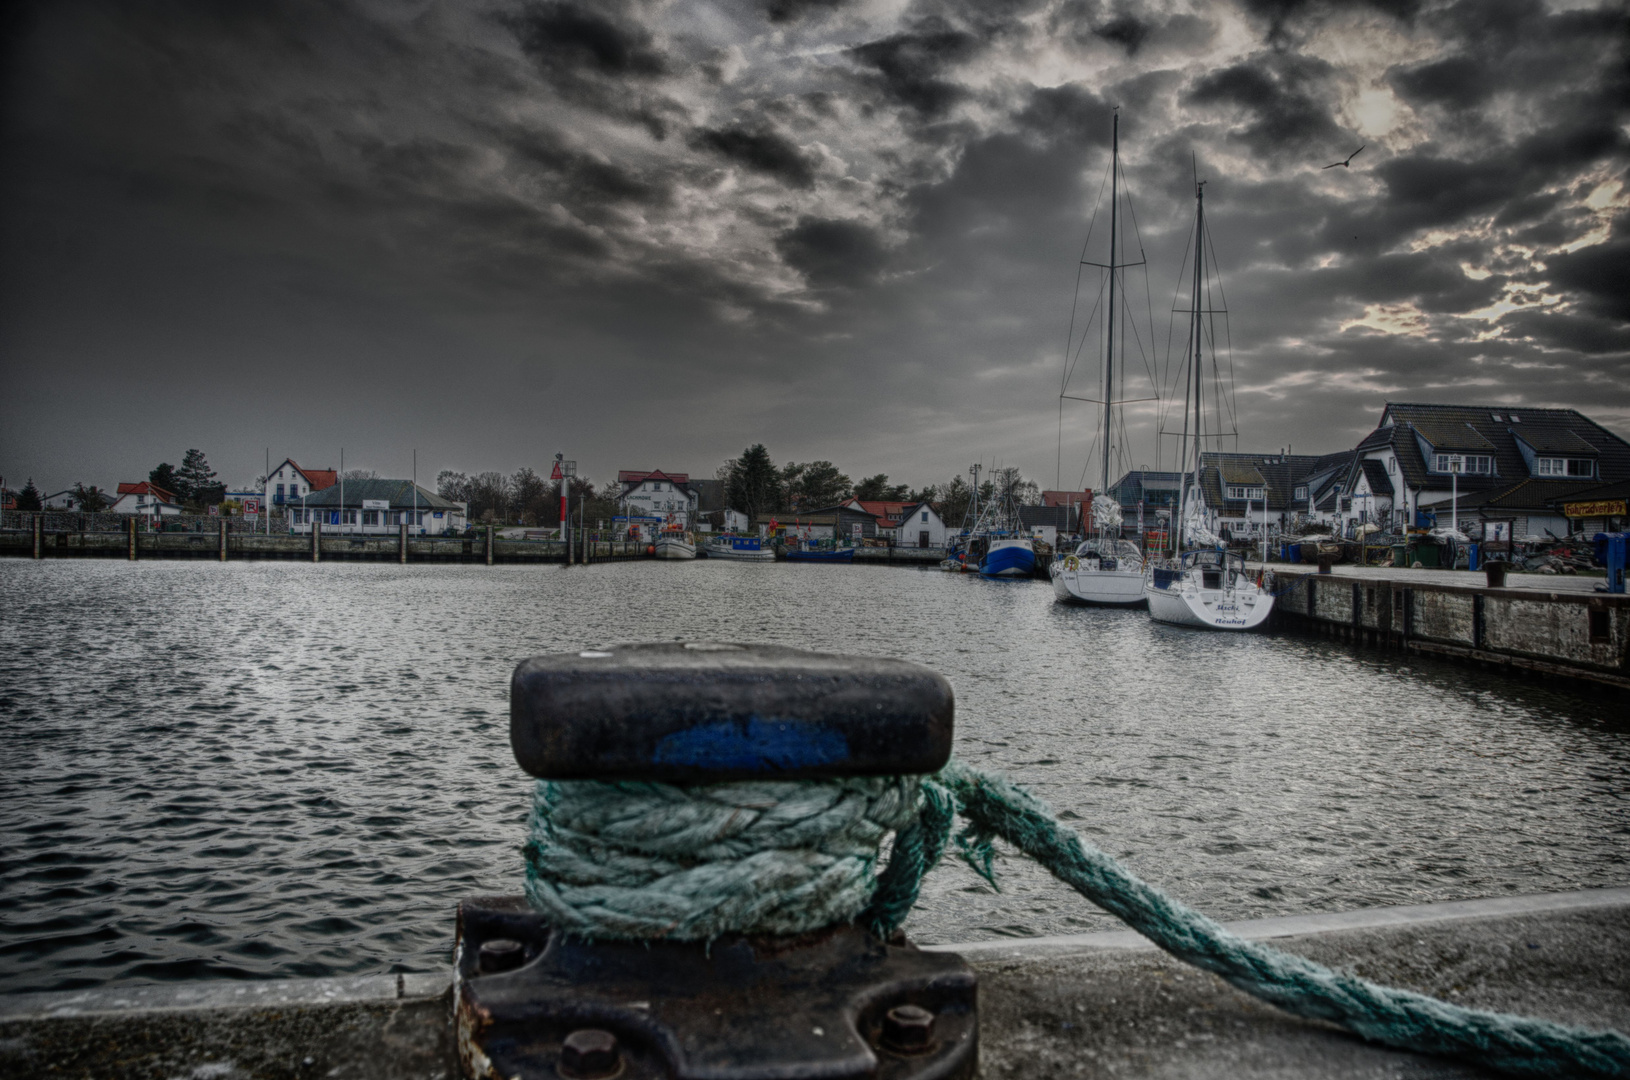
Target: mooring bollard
[(533, 1000)]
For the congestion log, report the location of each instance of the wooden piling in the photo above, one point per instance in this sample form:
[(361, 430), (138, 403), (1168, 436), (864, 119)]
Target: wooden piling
[(401, 544), (39, 536), (223, 538), (316, 540), (489, 544), (130, 535)]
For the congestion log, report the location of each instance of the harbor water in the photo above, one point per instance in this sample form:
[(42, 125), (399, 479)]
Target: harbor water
[(273, 770)]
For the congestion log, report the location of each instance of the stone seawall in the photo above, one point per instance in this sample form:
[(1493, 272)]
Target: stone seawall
[(1094, 1005), (1547, 626)]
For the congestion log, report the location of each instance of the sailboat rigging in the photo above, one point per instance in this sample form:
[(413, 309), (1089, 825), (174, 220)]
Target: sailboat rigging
[(1105, 569)]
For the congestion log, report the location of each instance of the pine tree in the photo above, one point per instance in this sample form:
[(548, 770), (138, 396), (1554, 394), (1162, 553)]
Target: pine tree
[(755, 485), (29, 497), (164, 477), (194, 478)]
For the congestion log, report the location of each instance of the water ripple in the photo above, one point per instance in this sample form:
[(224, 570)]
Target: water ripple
[(272, 770)]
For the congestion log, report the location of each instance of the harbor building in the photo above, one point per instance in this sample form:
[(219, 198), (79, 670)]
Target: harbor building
[(666, 496), (1511, 467), (145, 498), (1240, 493), (377, 506), (920, 526), (289, 483)]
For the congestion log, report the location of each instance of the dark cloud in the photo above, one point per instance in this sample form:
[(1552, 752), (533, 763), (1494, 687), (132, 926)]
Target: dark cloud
[(1286, 98), (1457, 81), (833, 253), (912, 68), (762, 151), (563, 38), (1279, 15), (786, 11), (1599, 275), (1127, 31)]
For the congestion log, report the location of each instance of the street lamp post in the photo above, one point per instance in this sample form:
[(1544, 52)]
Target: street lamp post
[(1456, 463)]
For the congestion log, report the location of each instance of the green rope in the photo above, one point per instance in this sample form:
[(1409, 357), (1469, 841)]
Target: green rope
[(652, 861)]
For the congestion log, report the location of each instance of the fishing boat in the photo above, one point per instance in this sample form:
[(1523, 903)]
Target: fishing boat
[(739, 547), (1208, 587), (1008, 556), (1105, 570), (675, 543)]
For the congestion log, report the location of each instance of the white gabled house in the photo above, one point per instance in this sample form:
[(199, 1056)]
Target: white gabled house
[(920, 526), (287, 484), (146, 499)]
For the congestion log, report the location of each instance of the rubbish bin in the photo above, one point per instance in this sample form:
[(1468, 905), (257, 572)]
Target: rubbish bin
[(1427, 556)]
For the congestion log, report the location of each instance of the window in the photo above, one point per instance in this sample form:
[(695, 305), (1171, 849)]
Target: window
[(1240, 492), (350, 517), (1392, 464), (1301, 492), (1555, 466), (299, 517), (370, 517), (925, 515), (280, 493), (1472, 464)]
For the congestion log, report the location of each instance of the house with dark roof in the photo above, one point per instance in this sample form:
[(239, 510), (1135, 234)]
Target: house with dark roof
[(289, 483), (1317, 494), (845, 521), (1244, 493), (1605, 508), (377, 507), (1481, 464)]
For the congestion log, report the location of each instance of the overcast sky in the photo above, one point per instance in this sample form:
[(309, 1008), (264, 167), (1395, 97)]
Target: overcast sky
[(649, 234)]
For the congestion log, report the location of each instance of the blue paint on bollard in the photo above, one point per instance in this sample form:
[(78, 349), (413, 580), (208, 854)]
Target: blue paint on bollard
[(755, 745)]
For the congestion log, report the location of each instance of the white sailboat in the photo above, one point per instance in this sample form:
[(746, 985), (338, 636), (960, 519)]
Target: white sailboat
[(1208, 588), (1105, 570)]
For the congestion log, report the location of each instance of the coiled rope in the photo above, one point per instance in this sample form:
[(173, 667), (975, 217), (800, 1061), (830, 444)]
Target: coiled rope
[(628, 860)]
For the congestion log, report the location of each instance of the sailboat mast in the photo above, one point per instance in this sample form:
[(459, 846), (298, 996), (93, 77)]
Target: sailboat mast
[(1109, 352), (1199, 336)]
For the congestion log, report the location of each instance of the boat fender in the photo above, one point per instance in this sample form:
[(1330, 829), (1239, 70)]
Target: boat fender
[(650, 549)]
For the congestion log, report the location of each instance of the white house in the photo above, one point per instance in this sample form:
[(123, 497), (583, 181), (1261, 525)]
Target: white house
[(657, 494), (380, 507), (1496, 464), (62, 500), (287, 484), (145, 498), (920, 526)]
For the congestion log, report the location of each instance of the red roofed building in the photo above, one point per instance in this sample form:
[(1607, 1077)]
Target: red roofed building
[(145, 498), (288, 482), (666, 496)]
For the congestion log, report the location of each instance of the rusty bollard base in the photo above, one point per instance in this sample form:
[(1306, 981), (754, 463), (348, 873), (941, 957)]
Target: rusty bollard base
[(742, 1008)]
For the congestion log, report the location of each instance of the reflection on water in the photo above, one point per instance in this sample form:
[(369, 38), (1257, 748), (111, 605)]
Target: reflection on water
[(260, 770)]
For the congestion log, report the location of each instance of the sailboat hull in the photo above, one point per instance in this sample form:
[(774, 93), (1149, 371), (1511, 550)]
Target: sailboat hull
[(1207, 609), (1099, 588)]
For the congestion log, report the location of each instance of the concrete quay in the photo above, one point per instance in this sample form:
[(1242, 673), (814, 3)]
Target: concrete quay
[(328, 547), (1094, 1005), (1540, 624)]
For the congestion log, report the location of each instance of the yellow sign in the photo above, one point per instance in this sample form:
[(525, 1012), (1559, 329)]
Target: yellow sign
[(1600, 508)]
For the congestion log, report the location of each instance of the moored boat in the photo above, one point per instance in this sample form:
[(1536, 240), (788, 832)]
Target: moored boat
[(1008, 556), (1207, 588), (826, 555), (739, 547), (1105, 573), (675, 544)]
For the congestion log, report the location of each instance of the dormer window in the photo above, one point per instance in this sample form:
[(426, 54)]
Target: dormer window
[(1555, 466), (1301, 493), (1236, 491), (1470, 464)]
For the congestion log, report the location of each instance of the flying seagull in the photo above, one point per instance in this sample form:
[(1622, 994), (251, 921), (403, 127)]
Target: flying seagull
[(1349, 162)]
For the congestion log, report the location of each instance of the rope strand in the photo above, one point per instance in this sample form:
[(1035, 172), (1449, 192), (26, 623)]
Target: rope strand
[(690, 863)]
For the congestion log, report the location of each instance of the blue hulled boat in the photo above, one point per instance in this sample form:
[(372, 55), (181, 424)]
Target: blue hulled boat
[(1009, 556)]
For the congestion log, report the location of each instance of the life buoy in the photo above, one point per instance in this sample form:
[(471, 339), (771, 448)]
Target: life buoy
[(1071, 562)]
